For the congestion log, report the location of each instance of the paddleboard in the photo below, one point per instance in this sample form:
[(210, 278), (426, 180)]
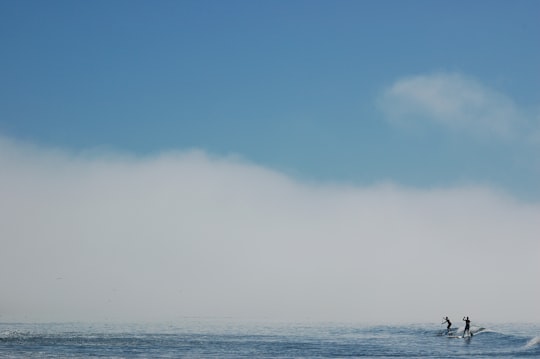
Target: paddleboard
[(460, 336)]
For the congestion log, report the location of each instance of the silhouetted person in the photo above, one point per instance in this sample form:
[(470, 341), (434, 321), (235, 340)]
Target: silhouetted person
[(467, 326), (446, 320)]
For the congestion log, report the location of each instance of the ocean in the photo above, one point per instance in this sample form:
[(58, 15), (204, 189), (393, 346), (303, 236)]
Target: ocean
[(222, 339)]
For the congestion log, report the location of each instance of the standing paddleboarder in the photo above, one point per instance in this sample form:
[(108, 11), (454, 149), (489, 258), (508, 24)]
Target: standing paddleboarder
[(467, 326), (446, 320)]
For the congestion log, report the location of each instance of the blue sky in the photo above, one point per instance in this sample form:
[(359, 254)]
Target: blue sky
[(293, 85), (283, 160)]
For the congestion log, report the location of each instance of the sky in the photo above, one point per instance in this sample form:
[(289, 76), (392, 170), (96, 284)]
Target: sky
[(366, 161)]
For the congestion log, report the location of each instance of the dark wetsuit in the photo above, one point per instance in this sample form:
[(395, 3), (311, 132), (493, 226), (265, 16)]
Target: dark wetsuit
[(446, 320), (467, 326)]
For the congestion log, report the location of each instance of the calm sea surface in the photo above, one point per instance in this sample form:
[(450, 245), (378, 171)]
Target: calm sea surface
[(226, 340)]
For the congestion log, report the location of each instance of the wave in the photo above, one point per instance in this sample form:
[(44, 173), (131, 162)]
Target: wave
[(513, 343), (12, 334), (459, 331), (534, 342)]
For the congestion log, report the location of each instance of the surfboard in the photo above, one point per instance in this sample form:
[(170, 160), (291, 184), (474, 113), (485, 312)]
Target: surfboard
[(460, 336)]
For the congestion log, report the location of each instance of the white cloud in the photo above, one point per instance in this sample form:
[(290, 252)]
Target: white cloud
[(185, 234), (457, 102)]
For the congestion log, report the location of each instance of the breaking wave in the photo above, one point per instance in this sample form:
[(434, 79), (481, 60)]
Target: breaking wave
[(534, 342)]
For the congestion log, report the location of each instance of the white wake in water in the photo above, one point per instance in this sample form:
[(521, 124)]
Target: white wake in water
[(533, 342)]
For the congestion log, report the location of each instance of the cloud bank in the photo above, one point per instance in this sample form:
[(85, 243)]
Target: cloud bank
[(117, 238), (459, 103)]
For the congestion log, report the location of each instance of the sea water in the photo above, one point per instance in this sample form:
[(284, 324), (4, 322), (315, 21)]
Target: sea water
[(206, 339)]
